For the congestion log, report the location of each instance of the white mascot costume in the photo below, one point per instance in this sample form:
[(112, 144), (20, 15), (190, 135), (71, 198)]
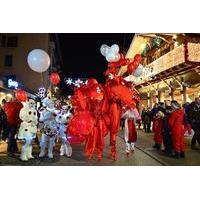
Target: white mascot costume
[(62, 119), (49, 127), (28, 129)]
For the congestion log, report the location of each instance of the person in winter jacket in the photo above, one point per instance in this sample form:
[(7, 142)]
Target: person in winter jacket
[(194, 120), (176, 119), (167, 135), (3, 124), (157, 129)]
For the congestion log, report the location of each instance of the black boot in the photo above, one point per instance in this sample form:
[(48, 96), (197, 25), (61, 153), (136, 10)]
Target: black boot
[(155, 146), (176, 155), (182, 154), (158, 146), (193, 147)]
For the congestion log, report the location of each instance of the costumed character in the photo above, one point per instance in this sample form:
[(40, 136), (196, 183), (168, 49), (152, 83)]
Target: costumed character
[(130, 133), (176, 119), (90, 120), (48, 127), (28, 129), (118, 96), (98, 106), (62, 119), (158, 129)]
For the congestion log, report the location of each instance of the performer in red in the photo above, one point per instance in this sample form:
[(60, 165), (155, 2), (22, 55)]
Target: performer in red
[(176, 119), (158, 129), (118, 95), (93, 105)]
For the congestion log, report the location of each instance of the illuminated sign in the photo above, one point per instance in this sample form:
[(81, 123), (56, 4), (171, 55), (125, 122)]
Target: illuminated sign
[(12, 84)]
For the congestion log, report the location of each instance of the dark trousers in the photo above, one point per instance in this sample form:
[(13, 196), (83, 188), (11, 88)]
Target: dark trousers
[(12, 143), (147, 127), (167, 141), (196, 136)]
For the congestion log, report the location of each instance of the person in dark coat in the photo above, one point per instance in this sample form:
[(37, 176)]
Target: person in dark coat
[(146, 118), (3, 124), (167, 135), (194, 120)]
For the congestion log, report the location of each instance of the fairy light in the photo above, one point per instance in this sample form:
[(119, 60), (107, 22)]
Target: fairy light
[(77, 83), (194, 52)]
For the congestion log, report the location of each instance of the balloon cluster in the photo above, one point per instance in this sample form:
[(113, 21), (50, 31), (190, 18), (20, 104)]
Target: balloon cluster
[(117, 59), (110, 53)]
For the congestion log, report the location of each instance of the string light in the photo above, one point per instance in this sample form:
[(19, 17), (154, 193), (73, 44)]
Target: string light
[(194, 52)]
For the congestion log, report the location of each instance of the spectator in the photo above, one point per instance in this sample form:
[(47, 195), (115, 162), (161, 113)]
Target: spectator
[(167, 135), (176, 126), (3, 124), (147, 120), (194, 120), (157, 129)]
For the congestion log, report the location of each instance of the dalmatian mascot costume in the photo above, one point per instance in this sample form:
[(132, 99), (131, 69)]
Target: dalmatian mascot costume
[(28, 129), (62, 119), (48, 127)]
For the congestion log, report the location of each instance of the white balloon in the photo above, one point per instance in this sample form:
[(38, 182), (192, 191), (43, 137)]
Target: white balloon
[(115, 48), (38, 60), (104, 49), (110, 57), (138, 72), (117, 57)]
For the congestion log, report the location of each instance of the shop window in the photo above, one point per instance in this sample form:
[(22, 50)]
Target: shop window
[(12, 41), (8, 61)]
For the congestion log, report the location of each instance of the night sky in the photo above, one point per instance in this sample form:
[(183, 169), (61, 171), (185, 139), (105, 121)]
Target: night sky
[(81, 53)]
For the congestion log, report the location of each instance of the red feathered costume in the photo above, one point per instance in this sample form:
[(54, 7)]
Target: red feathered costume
[(118, 95), (90, 119), (176, 125)]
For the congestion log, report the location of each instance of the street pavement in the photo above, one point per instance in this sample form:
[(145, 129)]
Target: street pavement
[(144, 155)]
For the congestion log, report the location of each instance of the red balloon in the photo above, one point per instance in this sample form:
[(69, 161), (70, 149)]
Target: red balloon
[(21, 95), (131, 67), (55, 78), (12, 110), (138, 58)]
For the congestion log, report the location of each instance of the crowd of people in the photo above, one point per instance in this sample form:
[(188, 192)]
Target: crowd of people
[(170, 122)]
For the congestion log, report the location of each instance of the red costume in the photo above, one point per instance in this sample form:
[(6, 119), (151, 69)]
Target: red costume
[(158, 129), (176, 125), (90, 119), (118, 95)]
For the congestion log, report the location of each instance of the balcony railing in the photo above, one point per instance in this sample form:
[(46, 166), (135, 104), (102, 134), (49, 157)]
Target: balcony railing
[(171, 59)]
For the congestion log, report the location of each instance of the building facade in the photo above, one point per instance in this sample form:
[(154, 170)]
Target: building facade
[(171, 67), (14, 49)]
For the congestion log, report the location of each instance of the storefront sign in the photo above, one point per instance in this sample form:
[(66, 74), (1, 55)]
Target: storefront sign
[(12, 84)]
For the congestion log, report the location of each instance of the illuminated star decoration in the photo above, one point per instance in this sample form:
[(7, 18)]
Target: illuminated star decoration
[(76, 83)]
